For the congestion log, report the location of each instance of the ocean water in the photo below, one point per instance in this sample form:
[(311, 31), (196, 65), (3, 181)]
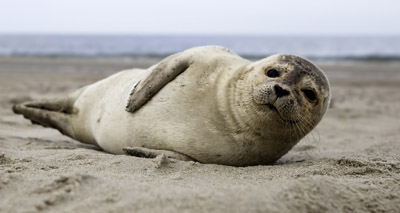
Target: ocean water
[(316, 47)]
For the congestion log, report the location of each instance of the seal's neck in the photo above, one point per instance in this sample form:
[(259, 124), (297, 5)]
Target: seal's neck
[(246, 123), (245, 115)]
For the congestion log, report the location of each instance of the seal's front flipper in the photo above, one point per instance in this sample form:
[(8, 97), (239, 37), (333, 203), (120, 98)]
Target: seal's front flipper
[(160, 76), (153, 153), (52, 113)]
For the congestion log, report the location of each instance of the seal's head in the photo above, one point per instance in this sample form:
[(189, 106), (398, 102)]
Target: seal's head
[(291, 91)]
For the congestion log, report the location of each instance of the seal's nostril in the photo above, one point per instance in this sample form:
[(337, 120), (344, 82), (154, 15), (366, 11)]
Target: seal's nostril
[(280, 92)]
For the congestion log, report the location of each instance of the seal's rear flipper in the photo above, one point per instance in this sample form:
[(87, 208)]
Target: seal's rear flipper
[(153, 153), (53, 113), (160, 76)]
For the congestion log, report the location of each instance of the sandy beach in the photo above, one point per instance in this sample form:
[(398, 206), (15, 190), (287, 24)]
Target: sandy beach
[(349, 163)]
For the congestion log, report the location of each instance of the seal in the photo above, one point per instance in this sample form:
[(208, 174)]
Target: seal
[(205, 104)]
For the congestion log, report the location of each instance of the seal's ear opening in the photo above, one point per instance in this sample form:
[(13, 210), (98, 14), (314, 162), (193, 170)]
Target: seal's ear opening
[(248, 68), (161, 75)]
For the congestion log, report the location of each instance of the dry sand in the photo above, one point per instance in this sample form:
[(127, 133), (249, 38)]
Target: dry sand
[(351, 162)]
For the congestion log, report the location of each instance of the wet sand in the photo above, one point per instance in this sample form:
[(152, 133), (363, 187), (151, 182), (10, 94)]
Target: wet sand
[(351, 162)]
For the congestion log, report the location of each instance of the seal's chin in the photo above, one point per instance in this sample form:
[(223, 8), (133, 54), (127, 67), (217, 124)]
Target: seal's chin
[(274, 109)]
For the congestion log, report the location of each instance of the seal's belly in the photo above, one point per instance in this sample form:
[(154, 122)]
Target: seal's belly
[(177, 118), (181, 117), (100, 106)]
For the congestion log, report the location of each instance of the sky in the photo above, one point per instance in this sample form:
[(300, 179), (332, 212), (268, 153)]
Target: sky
[(207, 17)]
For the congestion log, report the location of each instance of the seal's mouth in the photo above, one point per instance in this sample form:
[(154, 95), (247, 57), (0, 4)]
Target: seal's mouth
[(273, 108)]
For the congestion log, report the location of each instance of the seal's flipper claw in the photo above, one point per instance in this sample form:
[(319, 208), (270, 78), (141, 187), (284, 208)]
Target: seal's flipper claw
[(153, 153), (47, 113), (161, 75)]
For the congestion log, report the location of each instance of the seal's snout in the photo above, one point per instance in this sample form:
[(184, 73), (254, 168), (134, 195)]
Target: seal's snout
[(280, 92)]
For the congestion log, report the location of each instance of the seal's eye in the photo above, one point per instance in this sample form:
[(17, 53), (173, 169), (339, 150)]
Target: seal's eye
[(272, 73), (309, 94)]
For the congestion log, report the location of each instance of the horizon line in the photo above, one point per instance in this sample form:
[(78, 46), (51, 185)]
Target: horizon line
[(197, 34)]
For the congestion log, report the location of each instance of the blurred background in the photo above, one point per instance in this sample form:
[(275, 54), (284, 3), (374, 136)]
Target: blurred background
[(323, 30)]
